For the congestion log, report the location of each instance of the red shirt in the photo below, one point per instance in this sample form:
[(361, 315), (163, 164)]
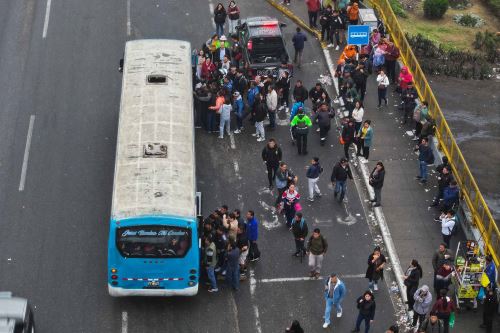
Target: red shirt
[(313, 5)]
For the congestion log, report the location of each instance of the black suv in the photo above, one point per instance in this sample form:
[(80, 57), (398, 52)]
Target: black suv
[(264, 51)]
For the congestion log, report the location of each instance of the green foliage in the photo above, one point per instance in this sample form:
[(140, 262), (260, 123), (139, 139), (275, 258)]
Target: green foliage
[(397, 8), (435, 9), (468, 20), (490, 43), (437, 59)]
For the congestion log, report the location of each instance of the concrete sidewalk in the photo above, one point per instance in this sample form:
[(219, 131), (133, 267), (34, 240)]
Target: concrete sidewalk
[(405, 202)]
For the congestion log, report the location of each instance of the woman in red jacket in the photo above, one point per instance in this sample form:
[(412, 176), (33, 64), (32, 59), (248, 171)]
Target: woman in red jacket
[(444, 307)]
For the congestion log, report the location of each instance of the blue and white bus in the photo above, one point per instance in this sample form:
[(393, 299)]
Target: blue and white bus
[(153, 245)]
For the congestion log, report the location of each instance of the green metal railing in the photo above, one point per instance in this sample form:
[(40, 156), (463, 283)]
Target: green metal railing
[(481, 215)]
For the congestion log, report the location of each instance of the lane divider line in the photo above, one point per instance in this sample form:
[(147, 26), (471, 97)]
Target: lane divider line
[(307, 278), (47, 18), (129, 25), (211, 6), (24, 168), (124, 322)]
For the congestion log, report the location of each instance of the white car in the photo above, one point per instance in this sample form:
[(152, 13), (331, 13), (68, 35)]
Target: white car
[(16, 315)]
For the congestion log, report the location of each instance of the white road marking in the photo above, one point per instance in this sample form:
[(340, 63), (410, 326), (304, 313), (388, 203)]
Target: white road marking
[(235, 313), (253, 285), (231, 139), (24, 168), (129, 26), (307, 278), (47, 17), (237, 169), (211, 6), (124, 322)]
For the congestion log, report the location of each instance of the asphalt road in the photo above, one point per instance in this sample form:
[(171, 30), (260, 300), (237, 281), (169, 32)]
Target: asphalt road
[(54, 230)]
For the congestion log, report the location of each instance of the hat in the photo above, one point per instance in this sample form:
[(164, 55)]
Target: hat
[(223, 37)]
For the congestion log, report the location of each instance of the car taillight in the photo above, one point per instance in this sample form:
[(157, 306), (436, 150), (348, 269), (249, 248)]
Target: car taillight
[(249, 45), (114, 277)]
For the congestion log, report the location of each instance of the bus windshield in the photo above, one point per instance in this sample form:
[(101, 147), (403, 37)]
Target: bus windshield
[(155, 241)]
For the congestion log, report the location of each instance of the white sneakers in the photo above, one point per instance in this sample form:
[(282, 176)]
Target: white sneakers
[(255, 134), (261, 139), (325, 325), (337, 48), (237, 131), (329, 45), (375, 287), (339, 314)]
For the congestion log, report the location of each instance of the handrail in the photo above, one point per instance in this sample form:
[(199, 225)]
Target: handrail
[(481, 215)]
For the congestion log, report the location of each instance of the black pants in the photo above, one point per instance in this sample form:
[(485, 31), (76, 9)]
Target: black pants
[(382, 95), (302, 143), (410, 291), (408, 109), (418, 128), (271, 172), (313, 17), (488, 322), (280, 193), (446, 240), (446, 321), (323, 132), (346, 149), (299, 246), (336, 33), (417, 318), (253, 251), (362, 149), (391, 70), (325, 32)]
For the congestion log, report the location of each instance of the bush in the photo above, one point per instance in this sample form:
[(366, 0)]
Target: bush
[(397, 8), (490, 43), (435, 9), (495, 6), (468, 20)]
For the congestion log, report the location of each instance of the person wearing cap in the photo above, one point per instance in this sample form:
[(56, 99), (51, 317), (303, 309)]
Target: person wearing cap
[(222, 50), (335, 292), (300, 125), (340, 172), (312, 174), (431, 325)]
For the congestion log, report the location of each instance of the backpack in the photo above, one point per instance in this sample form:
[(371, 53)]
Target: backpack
[(301, 128)]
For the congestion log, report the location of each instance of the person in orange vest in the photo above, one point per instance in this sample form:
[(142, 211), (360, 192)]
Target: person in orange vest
[(353, 13), (349, 52)]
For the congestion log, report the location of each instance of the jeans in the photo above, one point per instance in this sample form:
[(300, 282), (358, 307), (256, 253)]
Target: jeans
[(325, 33), (211, 121), (233, 277), (372, 284), (211, 277), (232, 26), (259, 127), (298, 57), (423, 169), (378, 195), (315, 261), (382, 93), (219, 28), (340, 187), (328, 308), (239, 121), (360, 319), (271, 173), (272, 118), (312, 184), (224, 123)]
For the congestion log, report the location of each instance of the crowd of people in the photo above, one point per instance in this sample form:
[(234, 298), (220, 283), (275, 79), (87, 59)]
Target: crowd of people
[(224, 91)]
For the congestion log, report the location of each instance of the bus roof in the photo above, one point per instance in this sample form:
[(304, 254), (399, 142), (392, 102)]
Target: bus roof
[(155, 162)]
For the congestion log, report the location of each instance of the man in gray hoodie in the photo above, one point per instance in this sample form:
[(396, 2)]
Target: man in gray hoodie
[(423, 302)]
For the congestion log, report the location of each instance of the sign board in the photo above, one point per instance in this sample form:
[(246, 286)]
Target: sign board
[(358, 34)]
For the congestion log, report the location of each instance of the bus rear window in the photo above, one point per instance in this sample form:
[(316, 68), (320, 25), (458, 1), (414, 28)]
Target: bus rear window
[(153, 241)]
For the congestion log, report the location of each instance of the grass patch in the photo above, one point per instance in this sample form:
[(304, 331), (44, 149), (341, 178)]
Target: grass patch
[(398, 9), (445, 31)]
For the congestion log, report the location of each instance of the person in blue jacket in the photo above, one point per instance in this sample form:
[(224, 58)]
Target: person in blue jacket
[(335, 292), (490, 271), (252, 235), (239, 111)]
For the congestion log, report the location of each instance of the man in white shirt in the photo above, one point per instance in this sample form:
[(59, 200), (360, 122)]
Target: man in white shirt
[(448, 221), (272, 105)]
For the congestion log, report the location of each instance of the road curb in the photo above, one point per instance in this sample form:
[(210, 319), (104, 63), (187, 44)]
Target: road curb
[(379, 214)]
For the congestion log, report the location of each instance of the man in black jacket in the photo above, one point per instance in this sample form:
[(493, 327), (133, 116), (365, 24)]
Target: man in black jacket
[(409, 96), (348, 134), (315, 94), (340, 172), (300, 92), (444, 180), (271, 155), (300, 231), (336, 26), (376, 181)]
